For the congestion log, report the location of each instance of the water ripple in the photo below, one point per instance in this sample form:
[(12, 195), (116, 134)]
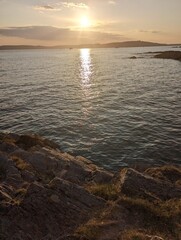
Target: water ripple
[(97, 103)]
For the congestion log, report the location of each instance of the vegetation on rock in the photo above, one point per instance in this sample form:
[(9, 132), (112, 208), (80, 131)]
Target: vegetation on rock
[(48, 194)]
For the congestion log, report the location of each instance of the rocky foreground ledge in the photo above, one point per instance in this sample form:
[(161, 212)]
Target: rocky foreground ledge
[(46, 194)]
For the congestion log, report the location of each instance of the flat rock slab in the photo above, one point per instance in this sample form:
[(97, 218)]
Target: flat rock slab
[(136, 184), (44, 194)]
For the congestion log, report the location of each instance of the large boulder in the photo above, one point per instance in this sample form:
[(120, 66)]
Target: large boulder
[(41, 189), (55, 209), (139, 185), (43, 158), (168, 173), (28, 141)]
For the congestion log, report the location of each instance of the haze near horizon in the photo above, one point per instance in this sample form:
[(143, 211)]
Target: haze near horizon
[(53, 22)]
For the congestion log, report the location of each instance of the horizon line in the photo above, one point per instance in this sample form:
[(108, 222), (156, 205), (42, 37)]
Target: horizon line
[(138, 43)]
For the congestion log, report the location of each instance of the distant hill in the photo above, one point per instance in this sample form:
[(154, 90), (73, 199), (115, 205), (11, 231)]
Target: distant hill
[(18, 47), (106, 45), (132, 44)]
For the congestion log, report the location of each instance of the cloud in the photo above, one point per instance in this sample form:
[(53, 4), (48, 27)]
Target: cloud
[(151, 31), (75, 5), (62, 35), (60, 5), (46, 8), (111, 2), (155, 31)]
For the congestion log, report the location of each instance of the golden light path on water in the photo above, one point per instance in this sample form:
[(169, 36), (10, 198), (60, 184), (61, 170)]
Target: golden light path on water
[(86, 81), (85, 71)]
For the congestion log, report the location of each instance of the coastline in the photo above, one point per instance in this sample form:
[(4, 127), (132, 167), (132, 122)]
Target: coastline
[(48, 194), (103, 45)]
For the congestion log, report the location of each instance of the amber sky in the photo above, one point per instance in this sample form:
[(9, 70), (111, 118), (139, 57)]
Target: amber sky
[(52, 22)]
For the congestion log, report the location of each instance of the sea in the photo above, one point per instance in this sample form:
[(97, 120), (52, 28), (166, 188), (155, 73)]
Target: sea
[(97, 103)]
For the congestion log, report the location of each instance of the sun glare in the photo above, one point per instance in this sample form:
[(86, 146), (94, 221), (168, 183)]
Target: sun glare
[(84, 22)]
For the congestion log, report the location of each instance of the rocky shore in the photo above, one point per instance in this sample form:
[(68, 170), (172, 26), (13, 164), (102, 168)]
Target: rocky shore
[(172, 55), (175, 55), (46, 194)]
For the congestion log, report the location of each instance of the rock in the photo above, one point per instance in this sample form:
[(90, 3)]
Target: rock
[(75, 193), (102, 176), (135, 184), (4, 196), (3, 165), (31, 169), (75, 169), (175, 55), (156, 238), (53, 210), (7, 142), (133, 57), (46, 194), (28, 176), (140, 236), (55, 198), (165, 173), (13, 175), (28, 141)]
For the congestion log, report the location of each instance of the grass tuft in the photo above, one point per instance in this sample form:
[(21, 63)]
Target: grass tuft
[(106, 191), (134, 234), (88, 232), (158, 215), (21, 164)]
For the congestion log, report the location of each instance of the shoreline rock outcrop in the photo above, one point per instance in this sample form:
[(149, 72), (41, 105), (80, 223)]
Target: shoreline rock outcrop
[(174, 55), (46, 194)]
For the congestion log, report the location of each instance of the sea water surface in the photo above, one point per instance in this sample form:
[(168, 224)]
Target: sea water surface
[(97, 103)]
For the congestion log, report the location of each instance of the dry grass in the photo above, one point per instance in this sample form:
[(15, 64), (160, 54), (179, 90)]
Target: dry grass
[(88, 232), (167, 209), (21, 164), (21, 191), (157, 216), (165, 173), (106, 191), (46, 177), (19, 195), (178, 183), (7, 139), (134, 234)]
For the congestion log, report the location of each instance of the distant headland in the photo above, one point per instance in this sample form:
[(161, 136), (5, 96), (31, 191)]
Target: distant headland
[(105, 45)]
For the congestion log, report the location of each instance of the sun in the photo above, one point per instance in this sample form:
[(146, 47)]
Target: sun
[(85, 22)]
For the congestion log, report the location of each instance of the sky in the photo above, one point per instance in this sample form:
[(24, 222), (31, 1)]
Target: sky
[(60, 22)]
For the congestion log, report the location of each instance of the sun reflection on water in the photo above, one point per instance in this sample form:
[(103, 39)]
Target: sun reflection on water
[(86, 81), (85, 71)]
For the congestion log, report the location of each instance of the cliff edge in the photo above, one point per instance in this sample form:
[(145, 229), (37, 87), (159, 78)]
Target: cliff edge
[(46, 194)]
